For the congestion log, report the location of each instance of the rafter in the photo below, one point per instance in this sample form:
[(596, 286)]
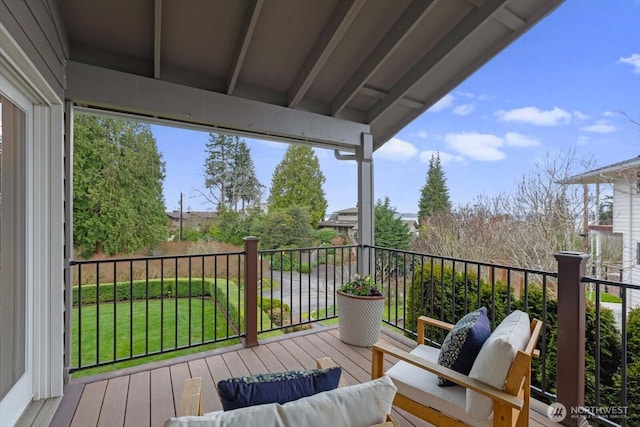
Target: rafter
[(337, 26), (462, 30), (402, 28), (133, 94), (246, 32), (157, 35)]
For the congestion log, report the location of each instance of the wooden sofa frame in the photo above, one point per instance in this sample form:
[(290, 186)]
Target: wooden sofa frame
[(510, 405)]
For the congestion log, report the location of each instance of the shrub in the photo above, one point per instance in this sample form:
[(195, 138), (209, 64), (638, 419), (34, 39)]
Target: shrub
[(325, 236), (138, 289), (436, 288)]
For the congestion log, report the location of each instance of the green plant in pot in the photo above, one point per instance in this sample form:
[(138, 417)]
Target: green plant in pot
[(360, 305)]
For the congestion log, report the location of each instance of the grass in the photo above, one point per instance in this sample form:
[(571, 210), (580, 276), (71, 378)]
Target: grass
[(134, 338), (604, 297)]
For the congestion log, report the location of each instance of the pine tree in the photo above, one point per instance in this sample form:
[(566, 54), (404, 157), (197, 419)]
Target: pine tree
[(391, 231), (297, 180), (434, 196), (230, 173), (118, 205)]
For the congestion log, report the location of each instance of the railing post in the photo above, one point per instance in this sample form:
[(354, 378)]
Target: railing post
[(570, 362), (251, 291)]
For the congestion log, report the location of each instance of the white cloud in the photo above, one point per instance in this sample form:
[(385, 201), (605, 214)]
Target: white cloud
[(601, 126), (583, 140), (423, 134), (535, 116), (445, 103), (396, 150), (464, 109), (476, 146), (466, 94), (580, 115), (513, 139), (609, 114), (633, 60), (425, 157)]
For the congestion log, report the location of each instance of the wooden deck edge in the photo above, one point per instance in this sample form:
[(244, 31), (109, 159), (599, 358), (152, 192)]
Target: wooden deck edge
[(538, 412), (397, 335), (67, 406)]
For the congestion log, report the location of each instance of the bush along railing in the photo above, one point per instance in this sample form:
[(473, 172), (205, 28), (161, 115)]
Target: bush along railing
[(296, 287), (129, 308), (448, 288)]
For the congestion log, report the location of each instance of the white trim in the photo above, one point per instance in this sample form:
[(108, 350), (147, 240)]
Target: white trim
[(23, 84), (23, 71)]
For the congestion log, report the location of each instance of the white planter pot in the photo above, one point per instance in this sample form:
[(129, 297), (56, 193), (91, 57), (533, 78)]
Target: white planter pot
[(360, 319)]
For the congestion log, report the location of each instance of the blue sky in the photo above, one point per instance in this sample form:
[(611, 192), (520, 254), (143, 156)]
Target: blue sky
[(563, 85)]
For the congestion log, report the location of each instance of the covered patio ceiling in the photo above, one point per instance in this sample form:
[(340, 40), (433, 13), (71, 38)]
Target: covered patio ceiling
[(317, 71)]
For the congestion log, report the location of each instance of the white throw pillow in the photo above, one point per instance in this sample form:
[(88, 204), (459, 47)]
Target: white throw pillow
[(495, 358), (358, 405)]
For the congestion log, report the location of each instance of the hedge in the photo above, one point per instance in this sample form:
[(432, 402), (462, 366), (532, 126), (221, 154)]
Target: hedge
[(156, 289)]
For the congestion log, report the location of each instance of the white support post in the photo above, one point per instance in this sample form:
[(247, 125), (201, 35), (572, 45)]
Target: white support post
[(364, 157)]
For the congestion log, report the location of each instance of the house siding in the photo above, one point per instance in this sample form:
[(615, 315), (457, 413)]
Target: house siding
[(626, 220), (34, 27)]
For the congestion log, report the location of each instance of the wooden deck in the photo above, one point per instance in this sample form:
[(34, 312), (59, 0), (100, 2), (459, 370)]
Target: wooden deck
[(149, 394)]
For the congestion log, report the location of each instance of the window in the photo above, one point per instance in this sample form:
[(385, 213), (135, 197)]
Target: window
[(12, 281)]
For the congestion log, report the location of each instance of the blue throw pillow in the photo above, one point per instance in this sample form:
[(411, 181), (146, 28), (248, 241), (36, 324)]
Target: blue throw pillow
[(280, 387), (463, 343)]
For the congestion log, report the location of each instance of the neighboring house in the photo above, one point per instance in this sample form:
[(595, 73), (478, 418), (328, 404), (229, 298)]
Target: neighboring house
[(346, 222), (191, 220), (625, 178), (343, 222)]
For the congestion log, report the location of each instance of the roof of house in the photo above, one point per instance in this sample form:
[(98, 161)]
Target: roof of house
[(604, 174)]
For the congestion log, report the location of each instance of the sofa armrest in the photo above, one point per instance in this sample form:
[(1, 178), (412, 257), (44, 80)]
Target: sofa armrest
[(191, 398), (381, 348), (424, 321)]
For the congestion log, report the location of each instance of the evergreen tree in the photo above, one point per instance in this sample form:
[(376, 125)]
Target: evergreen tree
[(117, 193), (297, 180), (230, 173), (286, 228), (434, 196), (390, 230)]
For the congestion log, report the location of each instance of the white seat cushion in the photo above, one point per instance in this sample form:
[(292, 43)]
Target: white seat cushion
[(422, 386), (361, 405)]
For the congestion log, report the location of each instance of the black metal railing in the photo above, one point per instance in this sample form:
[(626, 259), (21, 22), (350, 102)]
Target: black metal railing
[(447, 288), (611, 395), (129, 308)]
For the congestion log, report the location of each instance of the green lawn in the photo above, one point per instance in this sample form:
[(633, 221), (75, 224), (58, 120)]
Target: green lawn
[(604, 297), (161, 330)]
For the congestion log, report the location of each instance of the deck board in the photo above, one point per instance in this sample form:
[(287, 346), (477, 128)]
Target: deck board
[(115, 402), (148, 396), (162, 406), (90, 405), (200, 369), (138, 412)]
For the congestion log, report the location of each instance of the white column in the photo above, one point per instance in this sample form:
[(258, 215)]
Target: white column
[(364, 157)]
